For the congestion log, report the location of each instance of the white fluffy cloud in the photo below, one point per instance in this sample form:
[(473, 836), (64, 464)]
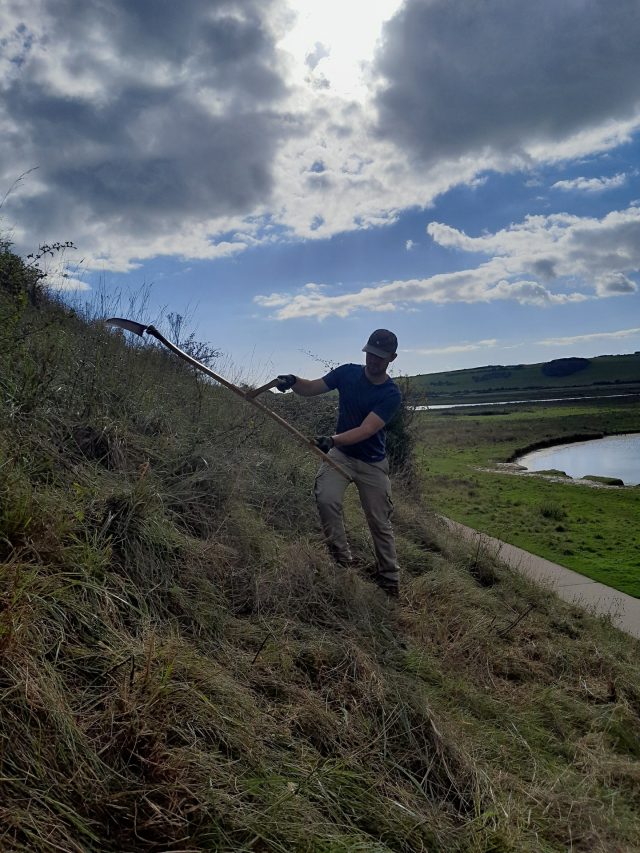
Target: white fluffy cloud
[(595, 336), (591, 185), (338, 176), (600, 253), (544, 260), (456, 348), (61, 281)]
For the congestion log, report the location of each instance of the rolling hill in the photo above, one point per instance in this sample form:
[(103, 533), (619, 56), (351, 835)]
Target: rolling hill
[(600, 376)]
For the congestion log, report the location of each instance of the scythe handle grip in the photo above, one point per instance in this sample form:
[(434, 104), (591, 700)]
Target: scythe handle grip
[(253, 392)]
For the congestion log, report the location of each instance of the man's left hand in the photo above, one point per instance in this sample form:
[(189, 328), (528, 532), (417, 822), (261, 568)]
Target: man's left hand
[(323, 442)]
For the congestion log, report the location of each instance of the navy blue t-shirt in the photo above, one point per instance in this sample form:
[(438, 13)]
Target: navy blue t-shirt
[(359, 397)]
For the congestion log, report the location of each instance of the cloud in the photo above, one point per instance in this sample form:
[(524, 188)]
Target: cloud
[(319, 52), (478, 285), (542, 261), (179, 129), (171, 129), (591, 185), (273, 300), (464, 347), (595, 336), (147, 120), (507, 80), (65, 282), (598, 252), (409, 245), (612, 283)]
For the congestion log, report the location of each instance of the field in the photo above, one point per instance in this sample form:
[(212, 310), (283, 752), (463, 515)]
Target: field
[(604, 375), (590, 530)]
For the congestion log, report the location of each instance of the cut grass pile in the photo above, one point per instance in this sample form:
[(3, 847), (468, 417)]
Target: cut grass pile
[(182, 667), (591, 530)]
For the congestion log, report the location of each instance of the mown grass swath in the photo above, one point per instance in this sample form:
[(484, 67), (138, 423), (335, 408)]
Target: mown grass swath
[(182, 667)]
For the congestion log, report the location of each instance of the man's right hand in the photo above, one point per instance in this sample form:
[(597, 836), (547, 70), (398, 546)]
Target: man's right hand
[(286, 381), (324, 442)]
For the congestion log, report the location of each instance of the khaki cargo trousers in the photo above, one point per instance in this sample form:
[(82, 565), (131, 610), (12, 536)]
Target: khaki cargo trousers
[(374, 488)]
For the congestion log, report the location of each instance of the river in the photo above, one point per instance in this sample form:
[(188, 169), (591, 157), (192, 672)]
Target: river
[(514, 402), (613, 456)]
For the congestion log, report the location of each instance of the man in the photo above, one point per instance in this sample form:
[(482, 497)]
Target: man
[(368, 399)]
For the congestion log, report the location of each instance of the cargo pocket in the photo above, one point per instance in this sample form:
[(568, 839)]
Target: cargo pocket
[(389, 505)]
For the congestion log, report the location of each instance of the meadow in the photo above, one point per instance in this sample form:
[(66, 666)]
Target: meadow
[(591, 530)]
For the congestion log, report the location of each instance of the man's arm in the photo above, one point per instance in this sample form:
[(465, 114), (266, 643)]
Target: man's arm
[(303, 387), (309, 387), (370, 425)]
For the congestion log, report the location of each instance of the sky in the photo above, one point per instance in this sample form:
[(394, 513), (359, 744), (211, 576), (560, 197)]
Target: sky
[(290, 175)]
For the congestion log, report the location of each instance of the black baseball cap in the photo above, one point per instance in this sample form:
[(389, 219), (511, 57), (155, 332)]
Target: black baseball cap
[(382, 343)]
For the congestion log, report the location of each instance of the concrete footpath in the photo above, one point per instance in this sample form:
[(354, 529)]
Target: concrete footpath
[(623, 609)]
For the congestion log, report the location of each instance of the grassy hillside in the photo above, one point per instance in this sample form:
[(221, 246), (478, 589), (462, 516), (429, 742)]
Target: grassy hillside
[(182, 668), (605, 374)]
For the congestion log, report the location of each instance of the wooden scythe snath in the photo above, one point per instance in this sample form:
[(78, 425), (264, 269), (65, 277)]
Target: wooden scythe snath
[(248, 395)]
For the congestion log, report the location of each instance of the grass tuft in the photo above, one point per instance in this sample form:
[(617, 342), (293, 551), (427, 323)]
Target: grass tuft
[(552, 511)]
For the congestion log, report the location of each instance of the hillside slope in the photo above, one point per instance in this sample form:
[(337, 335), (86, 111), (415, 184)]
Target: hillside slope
[(602, 375), (182, 667)]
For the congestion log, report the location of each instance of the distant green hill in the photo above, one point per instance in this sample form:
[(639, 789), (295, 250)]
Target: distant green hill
[(599, 376)]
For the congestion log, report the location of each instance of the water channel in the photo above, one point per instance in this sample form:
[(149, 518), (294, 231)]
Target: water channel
[(613, 456), (515, 402)]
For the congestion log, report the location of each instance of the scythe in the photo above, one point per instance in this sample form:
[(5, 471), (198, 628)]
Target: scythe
[(248, 395)]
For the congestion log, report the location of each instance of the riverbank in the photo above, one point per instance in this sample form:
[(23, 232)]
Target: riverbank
[(612, 459), (592, 531), (488, 400)]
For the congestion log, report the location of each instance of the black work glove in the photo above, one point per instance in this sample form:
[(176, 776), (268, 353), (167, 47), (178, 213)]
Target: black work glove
[(286, 381), (324, 442)]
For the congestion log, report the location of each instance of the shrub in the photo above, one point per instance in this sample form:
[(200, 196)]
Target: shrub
[(565, 366), (552, 511), (400, 439)]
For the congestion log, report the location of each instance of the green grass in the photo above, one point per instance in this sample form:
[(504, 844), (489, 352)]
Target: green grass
[(590, 530)]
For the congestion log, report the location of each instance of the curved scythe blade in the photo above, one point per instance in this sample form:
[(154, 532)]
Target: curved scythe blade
[(129, 325)]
